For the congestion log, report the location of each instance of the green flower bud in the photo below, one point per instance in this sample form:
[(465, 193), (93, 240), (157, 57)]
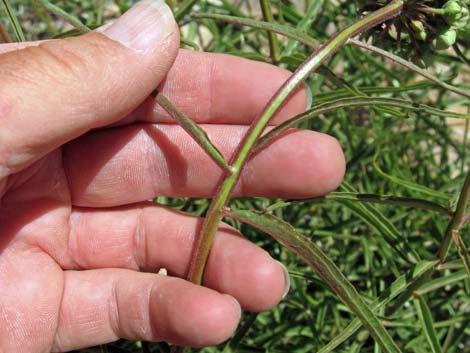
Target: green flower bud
[(456, 13), (464, 34), (419, 30), (445, 40)]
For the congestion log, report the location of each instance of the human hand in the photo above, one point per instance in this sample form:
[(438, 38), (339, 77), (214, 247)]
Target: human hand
[(82, 148)]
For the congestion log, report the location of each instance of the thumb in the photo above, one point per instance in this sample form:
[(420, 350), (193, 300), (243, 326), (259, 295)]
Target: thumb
[(59, 89)]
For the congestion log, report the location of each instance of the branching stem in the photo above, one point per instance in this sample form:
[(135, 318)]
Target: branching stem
[(456, 220), (227, 184)]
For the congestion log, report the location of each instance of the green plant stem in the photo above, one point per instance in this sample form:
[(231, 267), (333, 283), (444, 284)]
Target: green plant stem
[(304, 38), (99, 11), (397, 287), (4, 34), (409, 65), (44, 17), (273, 42), (452, 227), (225, 188), (456, 219), (313, 10), (66, 16), (351, 102), (14, 21), (312, 254), (184, 9), (463, 253), (465, 142), (383, 199)]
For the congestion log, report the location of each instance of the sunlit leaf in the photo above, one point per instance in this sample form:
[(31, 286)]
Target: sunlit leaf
[(427, 324), (324, 266)]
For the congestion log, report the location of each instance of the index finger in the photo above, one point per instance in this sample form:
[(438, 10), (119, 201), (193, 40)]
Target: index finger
[(221, 89), (214, 88)]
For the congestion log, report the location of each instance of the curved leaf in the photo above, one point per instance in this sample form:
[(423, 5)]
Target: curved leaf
[(324, 266)]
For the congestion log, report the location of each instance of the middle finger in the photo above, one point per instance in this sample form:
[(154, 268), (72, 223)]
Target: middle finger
[(139, 162)]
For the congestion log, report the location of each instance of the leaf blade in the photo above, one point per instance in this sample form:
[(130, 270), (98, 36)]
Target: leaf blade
[(330, 273), (194, 130), (396, 288), (426, 320)]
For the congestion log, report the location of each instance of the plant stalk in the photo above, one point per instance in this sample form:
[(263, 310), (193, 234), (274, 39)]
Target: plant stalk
[(4, 34), (66, 16), (273, 42), (227, 184), (456, 220), (14, 22)]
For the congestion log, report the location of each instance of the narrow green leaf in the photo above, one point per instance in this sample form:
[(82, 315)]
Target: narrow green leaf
[(409, 292), (190, 43), (184, 9), (397, 287), (14, 21), (306, 39), (384, 199), (310, 16), (412, 186), (426, 320), (376, 219), (285, 30), (194, 130), (409, 65), (232, 345), (65, 15), (441, 282), (322, 264), (352, 102)]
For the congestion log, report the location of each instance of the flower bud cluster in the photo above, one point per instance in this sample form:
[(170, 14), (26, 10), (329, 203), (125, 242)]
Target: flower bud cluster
[(424, 27)]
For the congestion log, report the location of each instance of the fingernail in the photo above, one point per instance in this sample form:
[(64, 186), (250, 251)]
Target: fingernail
[(286, 279), (237, 305), (143, 27), (309, 96)]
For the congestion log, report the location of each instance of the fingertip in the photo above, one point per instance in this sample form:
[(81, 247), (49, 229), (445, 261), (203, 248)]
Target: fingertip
[(322, 162), (194, 316), (300, 164), (268, 277)]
